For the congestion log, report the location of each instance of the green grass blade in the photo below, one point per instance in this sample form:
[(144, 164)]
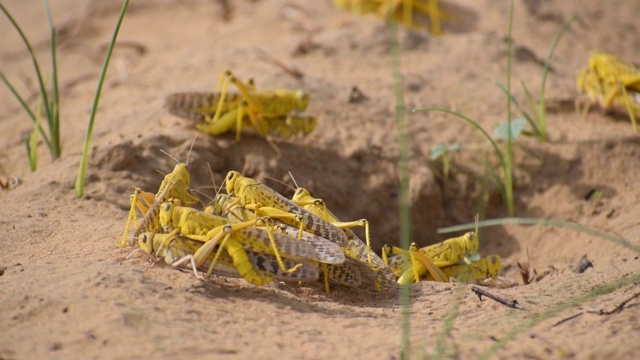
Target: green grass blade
[(43, 90), (508, 169), (524, 113), (405, 199), (17, 95), (54, 120), (547, 222), (532, 105), (545, 71), (82, 172), (495, 178), (25, 107)]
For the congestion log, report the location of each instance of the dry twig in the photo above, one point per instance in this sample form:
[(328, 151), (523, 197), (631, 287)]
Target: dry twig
[(480, 292), (616, 309)]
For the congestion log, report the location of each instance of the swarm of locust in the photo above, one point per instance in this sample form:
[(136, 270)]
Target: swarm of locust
[(256, 233), (270, 114), (611, 83)]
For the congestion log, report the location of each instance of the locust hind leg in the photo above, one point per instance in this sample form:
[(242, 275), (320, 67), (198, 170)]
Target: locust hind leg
[(420, 264), (141, 200), (221, 125), (243, 264), (189, 258)]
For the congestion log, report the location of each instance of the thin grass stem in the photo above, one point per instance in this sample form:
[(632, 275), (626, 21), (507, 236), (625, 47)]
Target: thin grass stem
[(616, 239), (82, 172), (54, 152), (54, 120), (542, 111), (403, 169), (508, 170)]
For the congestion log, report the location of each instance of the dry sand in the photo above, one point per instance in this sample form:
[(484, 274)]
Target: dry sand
[(66, 291)]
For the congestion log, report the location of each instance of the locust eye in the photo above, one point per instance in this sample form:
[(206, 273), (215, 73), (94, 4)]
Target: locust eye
[(298, 191), (167, 206), (143, 238), (230, 176)]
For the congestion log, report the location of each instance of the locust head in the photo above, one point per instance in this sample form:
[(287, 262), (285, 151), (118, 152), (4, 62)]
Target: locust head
[(471, 242), (493, 266), (145, 240), (231, 179), (302, 99), (301, 194), (309, 124), (166, 216)]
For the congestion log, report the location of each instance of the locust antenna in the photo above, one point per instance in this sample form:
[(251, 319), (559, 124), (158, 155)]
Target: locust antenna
[(280, 182), (213, 180), (171, 157), (132, 253), (477, 220), (293, 179), (191, 148)]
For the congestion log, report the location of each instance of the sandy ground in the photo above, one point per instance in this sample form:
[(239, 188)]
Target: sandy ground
[(66, 291)]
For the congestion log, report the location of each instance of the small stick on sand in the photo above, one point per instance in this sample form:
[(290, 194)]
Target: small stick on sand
[(616, 309), (480, 292), (567, 319)]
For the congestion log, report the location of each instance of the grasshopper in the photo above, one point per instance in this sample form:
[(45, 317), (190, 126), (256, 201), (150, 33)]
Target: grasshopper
[(173, 186), (432, 258), (474, 271), (178, 251), (355, 249), (480, 271), (268, 112), (612, 83), (201, 106), (326, 251), (402, 11), (211, 232), (267, 202)]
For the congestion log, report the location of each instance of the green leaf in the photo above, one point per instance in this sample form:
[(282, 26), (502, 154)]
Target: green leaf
[(441, 149), (517, 126)]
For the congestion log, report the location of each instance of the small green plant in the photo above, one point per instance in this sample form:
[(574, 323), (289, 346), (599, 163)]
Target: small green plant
[(504, 182), (444, 151), (86, 149), (50, 101), (537, 117)]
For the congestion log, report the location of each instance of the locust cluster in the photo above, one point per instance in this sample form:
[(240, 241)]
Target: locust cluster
[(611, 83), (269, 113), (255, 233), (454, 259)]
